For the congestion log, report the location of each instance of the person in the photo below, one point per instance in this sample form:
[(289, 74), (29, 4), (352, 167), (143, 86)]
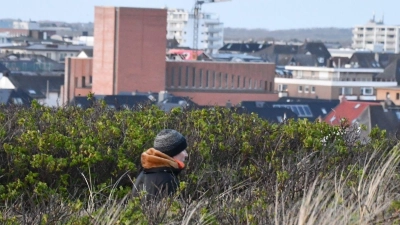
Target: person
[(162, 164)]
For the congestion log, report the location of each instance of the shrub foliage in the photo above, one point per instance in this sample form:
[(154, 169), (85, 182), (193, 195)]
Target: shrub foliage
[(73, 165)]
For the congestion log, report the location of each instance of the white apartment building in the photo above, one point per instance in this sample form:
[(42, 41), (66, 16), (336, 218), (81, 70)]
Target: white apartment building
[(331, 83), (180, 25), (26, 25), (5, 39), (376, 36)]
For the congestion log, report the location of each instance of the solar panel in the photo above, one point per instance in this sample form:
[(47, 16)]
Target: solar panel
[(300, 110)]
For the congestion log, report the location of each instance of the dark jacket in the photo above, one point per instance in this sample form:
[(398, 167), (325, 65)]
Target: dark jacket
[(159, 175)]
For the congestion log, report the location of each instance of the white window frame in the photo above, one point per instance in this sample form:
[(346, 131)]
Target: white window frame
[(365, 89)]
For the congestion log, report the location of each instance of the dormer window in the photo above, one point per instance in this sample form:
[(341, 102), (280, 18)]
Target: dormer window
[(32, 92), (17, 101)]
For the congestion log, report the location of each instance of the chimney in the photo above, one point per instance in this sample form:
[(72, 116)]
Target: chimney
[(228, 104), (342, 98), (377, 57)]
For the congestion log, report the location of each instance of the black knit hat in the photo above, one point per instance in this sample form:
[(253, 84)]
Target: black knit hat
[(170, 142)]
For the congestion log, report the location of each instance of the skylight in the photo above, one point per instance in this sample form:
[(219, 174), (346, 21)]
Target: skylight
[(398, 115), (332, 119), (32, 92), (300, 110), (324, 111), (356, 106)]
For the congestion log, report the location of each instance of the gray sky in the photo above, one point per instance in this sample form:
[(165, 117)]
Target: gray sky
[(266, 14)]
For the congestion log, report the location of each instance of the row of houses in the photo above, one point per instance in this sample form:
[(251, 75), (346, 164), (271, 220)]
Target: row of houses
[(128, 65)]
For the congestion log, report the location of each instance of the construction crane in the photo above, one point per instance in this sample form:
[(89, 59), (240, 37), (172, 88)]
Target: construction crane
[(196, 19)]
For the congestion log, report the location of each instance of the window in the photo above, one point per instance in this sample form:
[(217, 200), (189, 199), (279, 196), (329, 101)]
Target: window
[(312, 89), (32, 92), (306, 89), (282, 87), (367, 91), (300, 110), (90, 79), (397, 96), (398, 115), (180, 77), (345, 91), (187, 77), (300, 88), (17, 101), (172, 79), (220, 80), (83, 81), (213, 80), (201, 78), (194, 77), (207, 77), (238, 81)]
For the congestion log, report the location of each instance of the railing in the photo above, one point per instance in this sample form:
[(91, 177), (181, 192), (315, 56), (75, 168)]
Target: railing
[(213, 38), (329, 79)]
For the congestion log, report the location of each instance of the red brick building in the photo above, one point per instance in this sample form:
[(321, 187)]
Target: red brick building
[(78, 78), (209, 83), (129, 50), (130, 55)]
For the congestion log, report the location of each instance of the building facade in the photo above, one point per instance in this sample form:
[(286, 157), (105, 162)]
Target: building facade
[(331, 83), (376, 36), (129, 57), (180, 25), (209, 83), (129, 47)]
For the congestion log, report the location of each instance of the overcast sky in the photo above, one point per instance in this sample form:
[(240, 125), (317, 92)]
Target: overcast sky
[(265, 14)]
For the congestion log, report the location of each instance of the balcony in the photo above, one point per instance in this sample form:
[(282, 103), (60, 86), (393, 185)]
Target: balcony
[(214, 46), (213, 29), (208, 38)]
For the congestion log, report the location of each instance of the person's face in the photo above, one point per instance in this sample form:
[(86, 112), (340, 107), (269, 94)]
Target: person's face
[(181, 156)]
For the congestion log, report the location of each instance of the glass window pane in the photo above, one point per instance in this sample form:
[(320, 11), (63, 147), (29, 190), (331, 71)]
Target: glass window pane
[(301, 110)]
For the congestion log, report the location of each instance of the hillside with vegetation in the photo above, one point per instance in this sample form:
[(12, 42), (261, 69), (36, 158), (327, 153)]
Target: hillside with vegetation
[(332, 35), (77, 166)]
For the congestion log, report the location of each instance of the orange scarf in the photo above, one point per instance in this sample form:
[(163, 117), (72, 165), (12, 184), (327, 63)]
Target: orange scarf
[(153, 158)]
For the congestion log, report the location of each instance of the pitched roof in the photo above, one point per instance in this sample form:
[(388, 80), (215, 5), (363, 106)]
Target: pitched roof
[(388, 120), (338, 61), (36, 86), (81, 101), (392, 70), (311, 110), (127, 101), (50, 47), (243, 47), (285, 49), (88, 52), (3, 68), (349, 110), (14, 96), (304, 60), (315, 48), (274, 115), (373, 60)]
